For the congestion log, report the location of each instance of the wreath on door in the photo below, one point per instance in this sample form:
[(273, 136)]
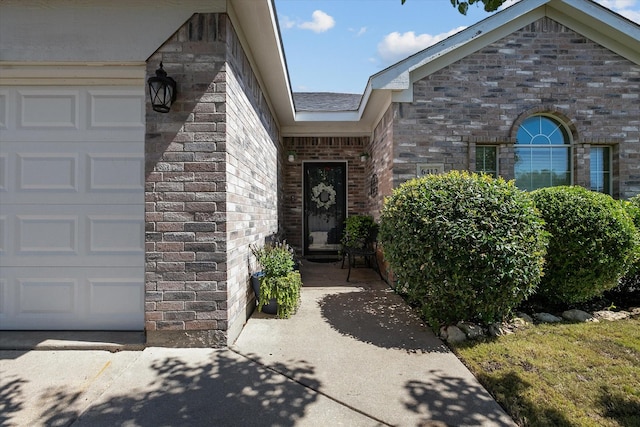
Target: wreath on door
[(323, 195)]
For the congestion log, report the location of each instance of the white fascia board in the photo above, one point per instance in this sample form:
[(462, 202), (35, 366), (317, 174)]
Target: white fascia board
[(263, 46), (327, 116), (326, 129), (364, 101)]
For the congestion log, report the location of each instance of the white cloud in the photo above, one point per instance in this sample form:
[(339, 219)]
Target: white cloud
[(320, 22), (630, 9), (617, 4), (359, 32), (633, 15), (395, 46), (286, 22)]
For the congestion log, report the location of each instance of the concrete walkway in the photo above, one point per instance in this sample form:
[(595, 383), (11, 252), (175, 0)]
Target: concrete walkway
[(354, 355)]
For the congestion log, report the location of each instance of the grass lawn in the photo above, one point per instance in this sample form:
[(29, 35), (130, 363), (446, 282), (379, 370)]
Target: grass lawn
[(585, 374)]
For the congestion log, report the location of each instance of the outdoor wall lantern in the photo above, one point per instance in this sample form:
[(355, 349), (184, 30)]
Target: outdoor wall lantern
[(162, 91), (291, 156), (364, 157)]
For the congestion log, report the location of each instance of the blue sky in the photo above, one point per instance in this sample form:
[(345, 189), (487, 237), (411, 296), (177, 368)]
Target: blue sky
[(336, 45)]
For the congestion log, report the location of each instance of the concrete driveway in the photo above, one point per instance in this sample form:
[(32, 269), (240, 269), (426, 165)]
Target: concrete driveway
[(354, 355)]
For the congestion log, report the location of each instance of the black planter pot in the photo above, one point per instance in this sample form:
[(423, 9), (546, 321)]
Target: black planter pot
[(272, 307)]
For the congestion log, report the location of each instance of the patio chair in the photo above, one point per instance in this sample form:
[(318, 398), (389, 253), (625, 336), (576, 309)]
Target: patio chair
[(365, 248)]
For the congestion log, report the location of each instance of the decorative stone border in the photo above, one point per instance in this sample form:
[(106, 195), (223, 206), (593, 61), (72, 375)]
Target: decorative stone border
[(464, 331)]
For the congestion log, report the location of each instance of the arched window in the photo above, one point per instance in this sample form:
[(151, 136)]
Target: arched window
[(542, 154)]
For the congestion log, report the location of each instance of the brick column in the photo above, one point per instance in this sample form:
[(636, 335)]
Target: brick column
[(185, 303)]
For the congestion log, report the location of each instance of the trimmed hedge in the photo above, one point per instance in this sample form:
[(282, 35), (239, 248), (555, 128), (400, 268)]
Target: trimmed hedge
[(592, 243), (463, 246), (631, 280)]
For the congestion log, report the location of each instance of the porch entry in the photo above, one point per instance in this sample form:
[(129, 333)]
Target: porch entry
[(325, 202)]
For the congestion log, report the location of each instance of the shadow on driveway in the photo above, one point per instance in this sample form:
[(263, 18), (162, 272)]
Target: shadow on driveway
[(380, 318)]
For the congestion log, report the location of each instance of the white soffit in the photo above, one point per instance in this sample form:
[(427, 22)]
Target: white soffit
[(258, 28), (92, 30)]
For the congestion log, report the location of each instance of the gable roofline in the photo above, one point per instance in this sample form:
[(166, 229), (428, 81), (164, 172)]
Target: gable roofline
[(586, 17), (394, 84)]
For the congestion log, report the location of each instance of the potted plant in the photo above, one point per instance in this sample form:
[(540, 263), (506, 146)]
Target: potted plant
[(359, 240), (358, 231), (278, 283)]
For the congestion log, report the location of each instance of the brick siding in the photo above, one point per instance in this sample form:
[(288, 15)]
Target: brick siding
[(542, 68), (197, 196)]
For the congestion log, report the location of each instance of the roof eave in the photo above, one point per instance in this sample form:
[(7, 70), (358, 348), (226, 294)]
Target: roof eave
[(586, 17), (259, 25)]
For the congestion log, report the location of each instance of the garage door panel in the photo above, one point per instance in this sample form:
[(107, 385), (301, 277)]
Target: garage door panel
[(115, 295), (4, 109), (72, 211), (85, 298), (3, 235), (57, 235), (48, 234), (115, 234), (117, 173), (47, 172), (92, 173), (3, 174), (47, 296), (116, 109), (48, 108)]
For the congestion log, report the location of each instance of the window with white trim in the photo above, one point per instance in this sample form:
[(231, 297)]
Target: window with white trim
[(600, 166), (487, 159), (542, 153)]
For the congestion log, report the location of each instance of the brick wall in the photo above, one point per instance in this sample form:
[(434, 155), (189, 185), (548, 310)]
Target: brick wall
[(254, 173), (327, 149), (544, 67), (380, 173), (201, 209)]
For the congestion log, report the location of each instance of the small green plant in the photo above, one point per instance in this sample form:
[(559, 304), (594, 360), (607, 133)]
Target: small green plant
[(284, 289), (276, 259), (358, 231), (463, 246), (279, 281), (593, 242)]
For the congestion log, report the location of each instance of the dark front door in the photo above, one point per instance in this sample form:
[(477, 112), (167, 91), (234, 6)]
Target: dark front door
[(325, 201)]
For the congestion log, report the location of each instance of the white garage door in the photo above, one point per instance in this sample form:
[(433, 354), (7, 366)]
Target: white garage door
[(72, 208)]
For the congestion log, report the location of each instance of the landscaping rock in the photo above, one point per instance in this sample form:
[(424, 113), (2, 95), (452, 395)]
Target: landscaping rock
[(471, 330), (634, 311), (499, 329), (453, 335), (578, 316), (547, 318), (611, 315), (524, 316)]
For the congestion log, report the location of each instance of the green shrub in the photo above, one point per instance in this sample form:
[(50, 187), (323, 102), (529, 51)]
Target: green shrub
[(592, 243), (631, 280), (463, 246), (358, 230)]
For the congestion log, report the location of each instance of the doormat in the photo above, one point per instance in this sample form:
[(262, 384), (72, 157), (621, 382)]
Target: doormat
[(322, 260)]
